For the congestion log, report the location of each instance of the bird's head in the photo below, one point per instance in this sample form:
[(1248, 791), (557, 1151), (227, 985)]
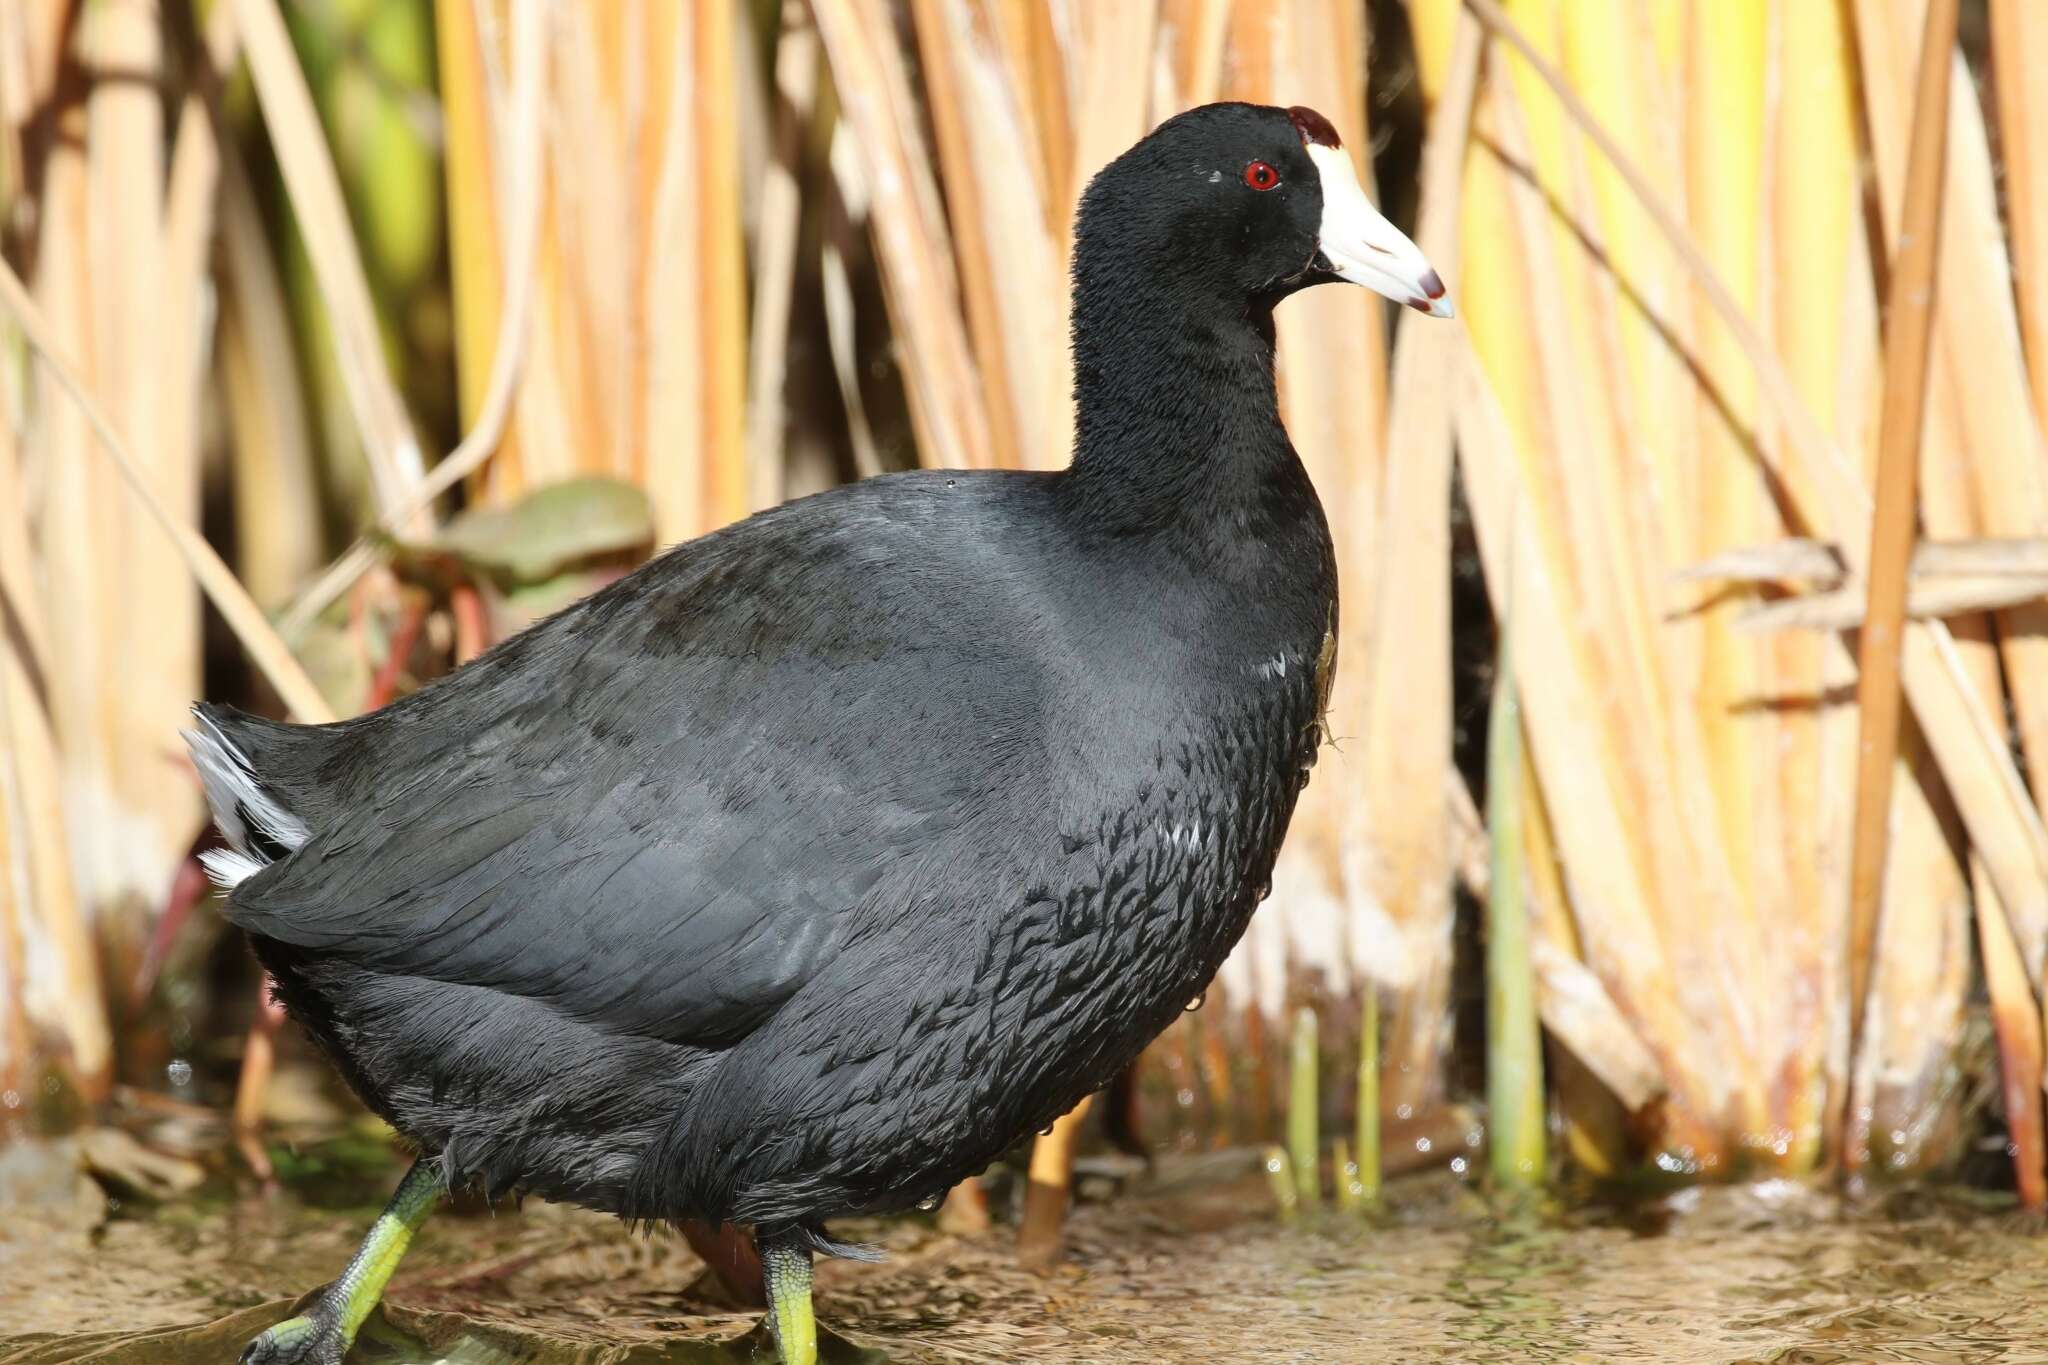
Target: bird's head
[(1247, 200)]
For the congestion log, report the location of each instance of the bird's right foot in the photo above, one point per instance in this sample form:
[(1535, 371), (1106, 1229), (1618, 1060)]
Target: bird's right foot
[(314, 1337)]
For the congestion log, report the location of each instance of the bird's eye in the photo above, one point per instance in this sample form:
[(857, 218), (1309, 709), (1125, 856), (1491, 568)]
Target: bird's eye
[(1261, 176)]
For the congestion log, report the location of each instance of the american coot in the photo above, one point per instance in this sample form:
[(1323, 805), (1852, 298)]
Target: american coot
[(801, 872)]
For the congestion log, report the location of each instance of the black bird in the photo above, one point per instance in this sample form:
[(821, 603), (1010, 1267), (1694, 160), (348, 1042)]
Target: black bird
[(801, 872)]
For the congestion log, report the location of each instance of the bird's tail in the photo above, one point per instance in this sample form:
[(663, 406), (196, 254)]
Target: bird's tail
[(258, 828)]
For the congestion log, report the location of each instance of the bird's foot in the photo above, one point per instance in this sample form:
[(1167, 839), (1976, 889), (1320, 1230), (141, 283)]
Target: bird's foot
[(315, 1337)]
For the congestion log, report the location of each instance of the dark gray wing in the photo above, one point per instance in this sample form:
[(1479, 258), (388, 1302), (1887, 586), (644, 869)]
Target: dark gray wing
[(656, 811)]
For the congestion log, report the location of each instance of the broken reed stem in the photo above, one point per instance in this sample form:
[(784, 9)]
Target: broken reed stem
[(1350, 1189), (1908, 344), (1366, 1126), (965, 1212), (1303, 1138), (1514, 1041), (1280, 1177), (1046, 1194), (777, 242)]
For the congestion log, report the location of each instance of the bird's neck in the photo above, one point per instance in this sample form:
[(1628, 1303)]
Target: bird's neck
[(1177, 420)]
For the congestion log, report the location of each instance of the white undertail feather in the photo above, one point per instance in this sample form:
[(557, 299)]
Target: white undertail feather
[(233, 793)]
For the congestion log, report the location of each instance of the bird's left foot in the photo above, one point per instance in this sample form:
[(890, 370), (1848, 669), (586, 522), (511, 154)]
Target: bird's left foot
[(314, 1337)]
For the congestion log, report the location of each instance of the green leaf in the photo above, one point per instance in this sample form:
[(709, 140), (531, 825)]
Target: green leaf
[(551, 530)]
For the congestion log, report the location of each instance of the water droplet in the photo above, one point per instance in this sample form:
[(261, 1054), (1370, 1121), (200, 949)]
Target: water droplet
[(1457, 1165), (1422, 1144), (1195, 1003), (929, 1202), (179, 1073), (1184, 1097), (10, 1099), (1045, 1131), (1273, 1164), (1265, 891)]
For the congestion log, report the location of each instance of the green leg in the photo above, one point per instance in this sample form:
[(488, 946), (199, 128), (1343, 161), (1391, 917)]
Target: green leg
[(323, 1333), (786, 1264)]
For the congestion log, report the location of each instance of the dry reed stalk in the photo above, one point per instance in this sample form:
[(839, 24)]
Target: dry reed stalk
[(494, 330), (227, 595), (634, 363), (1109, 58), (837, 290), (41, 917), (118, 847), (2019, 52), (1607, 893), (1845, 608), (1984, 441), (1817, 294), (277, 493), (965, 1212), (679, 377), (1191, 41), (1984, 446), (31, 64), (1933, 561), (382, 422), (722, 265), (1518, 264), (1012, 267), (1979, 420), (1615, 524), (1406, 699), (1660, 751), (18, 1059), (1048, 1190), (475, 248), (778, 240), (1595, 1114), (1918, 986), (920, 282), (122, 652), (2016, 1022), (1964, 738), (2008, 456), (1966, 742), (1908, 347), (1725, 181)]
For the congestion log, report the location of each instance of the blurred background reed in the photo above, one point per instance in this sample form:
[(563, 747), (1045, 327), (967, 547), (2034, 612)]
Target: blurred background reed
[(430, 317)]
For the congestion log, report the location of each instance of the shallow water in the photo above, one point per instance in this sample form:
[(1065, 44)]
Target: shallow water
[(1188, 1266)]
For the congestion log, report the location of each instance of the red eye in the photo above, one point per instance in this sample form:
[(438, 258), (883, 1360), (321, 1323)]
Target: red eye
[(1261, 176)]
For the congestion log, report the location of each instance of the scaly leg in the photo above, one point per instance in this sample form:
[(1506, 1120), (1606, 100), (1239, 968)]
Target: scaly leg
[(323, 1334), (786, 1265)]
